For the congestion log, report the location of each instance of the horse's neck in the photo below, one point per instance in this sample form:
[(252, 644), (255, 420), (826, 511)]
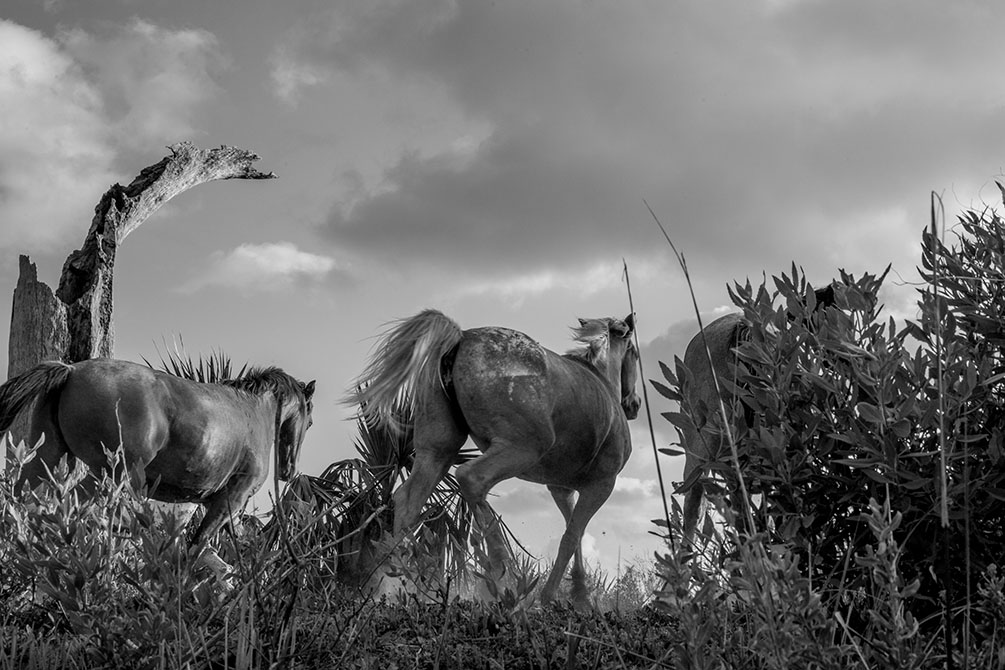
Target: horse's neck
[(612, 372), (271, 404)]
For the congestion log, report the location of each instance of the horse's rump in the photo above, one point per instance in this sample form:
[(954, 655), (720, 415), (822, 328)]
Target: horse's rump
[(506, 383)]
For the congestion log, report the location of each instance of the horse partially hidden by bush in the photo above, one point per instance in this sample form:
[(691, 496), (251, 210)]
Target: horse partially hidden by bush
[(711, 361), (187, 441), (551, 419)]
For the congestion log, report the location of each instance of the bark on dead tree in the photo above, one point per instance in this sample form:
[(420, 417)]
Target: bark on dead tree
[(74, 323)]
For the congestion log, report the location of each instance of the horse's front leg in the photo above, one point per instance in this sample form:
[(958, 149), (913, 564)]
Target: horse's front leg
[(566, 501), (591, 498), (224, 505), (221, 508)]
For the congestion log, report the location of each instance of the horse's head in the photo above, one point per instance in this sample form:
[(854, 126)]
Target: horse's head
[(611, 350), (623, 350), (297, 418)]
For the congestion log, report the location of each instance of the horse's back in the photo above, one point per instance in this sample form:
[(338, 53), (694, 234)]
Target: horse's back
[(498, 368)]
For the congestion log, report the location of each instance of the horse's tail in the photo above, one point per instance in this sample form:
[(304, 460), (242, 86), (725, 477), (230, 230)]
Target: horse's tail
[(404, 369), (18, 392)]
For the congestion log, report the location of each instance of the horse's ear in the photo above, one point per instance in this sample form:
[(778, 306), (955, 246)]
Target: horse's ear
[(630, 320), (309, 389)]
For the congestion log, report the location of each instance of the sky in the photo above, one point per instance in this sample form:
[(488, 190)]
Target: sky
[(491, 160)]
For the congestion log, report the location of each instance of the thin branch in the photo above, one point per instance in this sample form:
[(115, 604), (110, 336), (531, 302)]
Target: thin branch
[(727, 424), (649, 414)]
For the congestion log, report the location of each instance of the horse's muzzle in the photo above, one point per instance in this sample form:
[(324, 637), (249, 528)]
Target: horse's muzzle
[(631, 405)]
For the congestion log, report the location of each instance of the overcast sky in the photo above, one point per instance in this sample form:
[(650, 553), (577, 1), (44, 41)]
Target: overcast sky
[(490, 159)]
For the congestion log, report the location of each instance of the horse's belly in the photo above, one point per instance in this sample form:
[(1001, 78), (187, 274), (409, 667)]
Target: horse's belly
[(569, 468), (166, 492), (561, 465)]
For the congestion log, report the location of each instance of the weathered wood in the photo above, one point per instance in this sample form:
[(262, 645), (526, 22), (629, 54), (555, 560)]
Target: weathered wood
[(74, 323), (85, 286), (38, 329)]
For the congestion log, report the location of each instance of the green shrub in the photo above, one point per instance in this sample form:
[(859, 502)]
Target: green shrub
[(835, 408)]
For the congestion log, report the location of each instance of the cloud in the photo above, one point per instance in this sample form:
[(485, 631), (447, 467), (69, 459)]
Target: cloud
[(290, 77), (261, 267), (55, 149), (755, 129), (152, 79), (601, 276), (73, 102)]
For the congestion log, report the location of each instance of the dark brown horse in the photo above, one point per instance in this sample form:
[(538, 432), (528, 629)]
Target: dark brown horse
[(189, 442), (555, 420)]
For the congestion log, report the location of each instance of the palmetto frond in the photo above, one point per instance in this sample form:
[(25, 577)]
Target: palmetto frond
[(215, 368), (351, 504)]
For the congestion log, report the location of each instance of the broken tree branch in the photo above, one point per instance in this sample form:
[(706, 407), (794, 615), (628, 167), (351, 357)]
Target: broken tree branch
[(74, 323)]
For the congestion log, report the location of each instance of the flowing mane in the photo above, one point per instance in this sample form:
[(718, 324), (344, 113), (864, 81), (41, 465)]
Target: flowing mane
[(259, 380), (595, 336)]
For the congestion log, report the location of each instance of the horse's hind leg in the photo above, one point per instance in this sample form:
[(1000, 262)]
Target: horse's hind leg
[(699, 448), (48, 455), (503, 460), (692, 507), (438, 438)]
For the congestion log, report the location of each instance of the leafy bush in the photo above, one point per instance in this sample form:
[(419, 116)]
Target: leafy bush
[(102, 581), (98, 578), (835, 408)]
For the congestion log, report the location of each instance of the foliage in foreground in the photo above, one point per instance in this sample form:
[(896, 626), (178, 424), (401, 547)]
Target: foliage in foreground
[(837, 409), (845, 414), (107, 581)]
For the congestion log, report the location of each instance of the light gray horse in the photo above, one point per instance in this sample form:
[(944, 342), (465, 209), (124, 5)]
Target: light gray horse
[(551, 419)]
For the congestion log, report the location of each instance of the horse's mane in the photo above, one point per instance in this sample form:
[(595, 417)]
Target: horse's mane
[(259, 380), (595, 334)]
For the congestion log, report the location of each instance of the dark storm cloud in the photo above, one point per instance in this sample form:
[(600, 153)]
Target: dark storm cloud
[(502, 207), (808, 131)]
